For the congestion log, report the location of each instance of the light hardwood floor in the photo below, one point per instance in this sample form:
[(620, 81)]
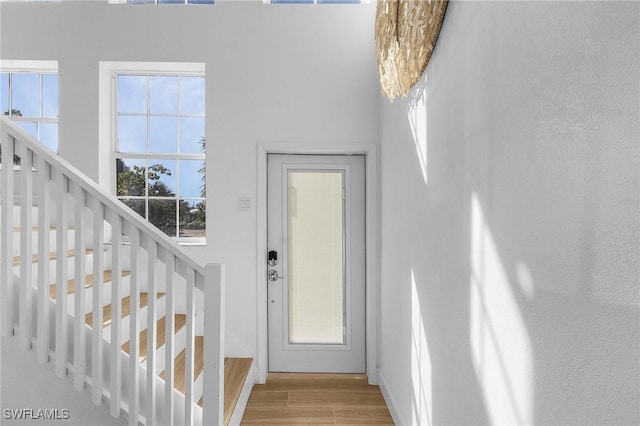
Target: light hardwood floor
[(318, 399)]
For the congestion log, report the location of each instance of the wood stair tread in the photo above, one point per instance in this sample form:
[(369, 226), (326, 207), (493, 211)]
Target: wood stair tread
[(89, 280), (180, 320), (17, 260), (236, 371), (35, 228), (125, 308), (226, 360), (179, 365)]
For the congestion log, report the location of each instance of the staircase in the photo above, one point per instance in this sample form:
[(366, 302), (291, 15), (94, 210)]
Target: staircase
[(105, 297)]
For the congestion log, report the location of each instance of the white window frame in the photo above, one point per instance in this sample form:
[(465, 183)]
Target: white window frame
[(30, 1), (314, 2), (155, 2), (108, 115), (34, 67)]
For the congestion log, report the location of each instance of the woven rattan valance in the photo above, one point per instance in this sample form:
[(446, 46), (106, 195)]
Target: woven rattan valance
[(406, 34)]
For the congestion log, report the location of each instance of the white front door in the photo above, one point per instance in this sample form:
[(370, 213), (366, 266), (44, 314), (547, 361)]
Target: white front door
[(316, 271)]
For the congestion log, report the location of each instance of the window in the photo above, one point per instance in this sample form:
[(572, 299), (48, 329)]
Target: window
[(30, 98), (317, 1), (160, 150), (161, 1)]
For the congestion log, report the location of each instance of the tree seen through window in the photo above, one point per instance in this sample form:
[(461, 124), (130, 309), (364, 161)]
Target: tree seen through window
[(31, 100), (160, 168)]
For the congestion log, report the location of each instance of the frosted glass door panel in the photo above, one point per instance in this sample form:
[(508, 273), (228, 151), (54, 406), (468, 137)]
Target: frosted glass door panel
[(316, 257)]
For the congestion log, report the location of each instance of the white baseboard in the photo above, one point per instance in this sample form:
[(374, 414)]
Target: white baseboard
[(238, 412), (391, 404)]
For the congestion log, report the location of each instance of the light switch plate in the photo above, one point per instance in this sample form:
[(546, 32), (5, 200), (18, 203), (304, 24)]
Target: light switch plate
[(244, 204)]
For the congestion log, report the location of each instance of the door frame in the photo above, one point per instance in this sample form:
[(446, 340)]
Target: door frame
[(372, 275)]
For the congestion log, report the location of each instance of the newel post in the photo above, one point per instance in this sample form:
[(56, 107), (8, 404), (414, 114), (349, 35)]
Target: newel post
[(213, 401), (6, 250)]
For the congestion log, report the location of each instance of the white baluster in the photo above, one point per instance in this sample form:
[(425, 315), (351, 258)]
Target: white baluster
[(26, 249), (213, 401), (44, 229), (116, 313), (190, 347), (6, 280), (152, 333), (98, 290), (80, 246), (59, 181), (62, 331), (170, 262), (134, 346)]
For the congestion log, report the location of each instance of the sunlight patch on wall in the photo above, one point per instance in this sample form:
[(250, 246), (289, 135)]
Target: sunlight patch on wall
[(501, 346), (418, 121), (420, 362), (525, 279)]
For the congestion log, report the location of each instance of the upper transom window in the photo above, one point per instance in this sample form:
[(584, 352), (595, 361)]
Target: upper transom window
[(161, 1), (316, 1)]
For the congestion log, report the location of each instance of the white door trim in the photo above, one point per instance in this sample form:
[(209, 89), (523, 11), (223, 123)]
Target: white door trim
[(372, 272)]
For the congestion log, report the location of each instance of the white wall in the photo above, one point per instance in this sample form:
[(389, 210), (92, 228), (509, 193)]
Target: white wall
[(21, 370), (277, 73), (511, 268)]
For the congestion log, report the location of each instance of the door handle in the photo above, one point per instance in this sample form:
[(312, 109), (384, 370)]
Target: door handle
[(273, 275), (272, 260)]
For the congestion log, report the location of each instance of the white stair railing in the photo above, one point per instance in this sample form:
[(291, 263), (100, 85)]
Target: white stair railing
[(70, 203)]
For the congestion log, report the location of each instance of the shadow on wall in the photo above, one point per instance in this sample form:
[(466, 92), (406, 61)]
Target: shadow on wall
[(440, 357), (532, 335), (522, 246)]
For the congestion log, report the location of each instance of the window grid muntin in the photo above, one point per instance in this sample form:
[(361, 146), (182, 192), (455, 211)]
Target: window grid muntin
[(148, 114), (149, 155)]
